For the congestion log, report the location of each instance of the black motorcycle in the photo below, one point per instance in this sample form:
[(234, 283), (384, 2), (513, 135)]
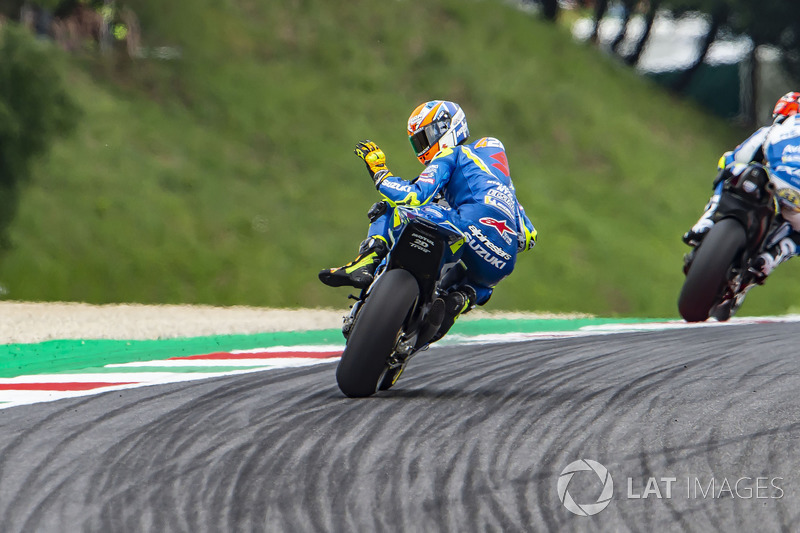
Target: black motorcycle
[(398, 314), (718, 273)]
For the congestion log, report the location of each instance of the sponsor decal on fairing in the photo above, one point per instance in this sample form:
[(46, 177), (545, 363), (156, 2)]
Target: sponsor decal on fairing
[(421, 243)]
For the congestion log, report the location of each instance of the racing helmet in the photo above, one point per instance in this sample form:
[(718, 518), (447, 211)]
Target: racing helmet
[(787, 106), (434, 126)]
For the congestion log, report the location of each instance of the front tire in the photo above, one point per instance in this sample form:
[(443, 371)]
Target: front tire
[(708, 272), (375, 333)]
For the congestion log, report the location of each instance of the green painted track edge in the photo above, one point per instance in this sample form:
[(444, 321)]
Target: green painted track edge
[(58, 356)]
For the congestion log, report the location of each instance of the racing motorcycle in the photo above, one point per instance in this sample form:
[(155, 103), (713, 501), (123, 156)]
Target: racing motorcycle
[(402, 311), (718, 273)]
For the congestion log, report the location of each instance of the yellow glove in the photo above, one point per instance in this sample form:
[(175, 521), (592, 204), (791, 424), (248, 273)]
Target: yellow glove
[(530, 238), (375, 160)]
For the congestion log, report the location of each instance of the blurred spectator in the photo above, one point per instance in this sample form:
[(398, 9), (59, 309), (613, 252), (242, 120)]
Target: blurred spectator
[(101, 22), (76, 23), (44, 22)]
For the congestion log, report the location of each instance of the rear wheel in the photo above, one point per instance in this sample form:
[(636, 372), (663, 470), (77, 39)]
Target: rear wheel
[(375, 332), (708, 272)]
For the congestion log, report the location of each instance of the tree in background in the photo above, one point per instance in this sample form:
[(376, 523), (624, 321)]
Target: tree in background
[(600, 8), (550, 9), (771, 23), (718, 12), (10, 8), (651, 10), (628, 7), (766, 22), (35, 109)]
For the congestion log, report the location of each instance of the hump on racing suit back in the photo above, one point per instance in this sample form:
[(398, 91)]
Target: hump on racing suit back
[(481, 190), (485, 176), (488, 180)]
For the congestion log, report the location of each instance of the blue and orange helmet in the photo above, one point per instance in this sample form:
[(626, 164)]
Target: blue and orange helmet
[(788, 105), (434, 126)]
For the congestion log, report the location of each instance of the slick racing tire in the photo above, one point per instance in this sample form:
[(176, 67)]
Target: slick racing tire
[(708, 273), (375, 333)]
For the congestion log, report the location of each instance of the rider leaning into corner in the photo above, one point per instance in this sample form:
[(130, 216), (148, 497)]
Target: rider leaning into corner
[(468, 185), (777, 147)]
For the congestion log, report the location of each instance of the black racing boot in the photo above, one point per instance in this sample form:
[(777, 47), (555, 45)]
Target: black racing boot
[(359, 272), (456, 303), (695, 236), (763, 265)]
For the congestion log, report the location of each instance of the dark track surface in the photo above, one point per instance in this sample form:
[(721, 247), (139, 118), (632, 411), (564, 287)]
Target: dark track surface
[(472, 439)]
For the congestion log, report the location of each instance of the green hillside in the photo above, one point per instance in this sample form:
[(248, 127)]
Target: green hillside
[(227, 176)]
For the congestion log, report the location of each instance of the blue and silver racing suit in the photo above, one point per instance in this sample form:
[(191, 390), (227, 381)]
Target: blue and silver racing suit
[(778, 146), (475, 182)]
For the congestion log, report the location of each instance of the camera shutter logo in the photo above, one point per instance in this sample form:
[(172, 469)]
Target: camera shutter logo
[(585, 509)]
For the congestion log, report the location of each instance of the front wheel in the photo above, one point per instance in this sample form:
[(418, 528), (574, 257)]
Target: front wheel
[(708, 272), (375, 333)]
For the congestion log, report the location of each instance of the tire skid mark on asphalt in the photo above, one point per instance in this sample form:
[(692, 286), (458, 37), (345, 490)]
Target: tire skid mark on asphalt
[(471, 439)]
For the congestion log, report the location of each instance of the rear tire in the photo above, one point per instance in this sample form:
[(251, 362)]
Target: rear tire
[(709, 270), (375, 333)]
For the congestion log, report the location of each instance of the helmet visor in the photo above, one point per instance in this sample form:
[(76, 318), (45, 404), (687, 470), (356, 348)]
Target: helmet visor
[(422, 140), (419, 142)]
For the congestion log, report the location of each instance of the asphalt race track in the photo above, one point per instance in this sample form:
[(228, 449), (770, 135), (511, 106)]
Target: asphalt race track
[(697, 427)]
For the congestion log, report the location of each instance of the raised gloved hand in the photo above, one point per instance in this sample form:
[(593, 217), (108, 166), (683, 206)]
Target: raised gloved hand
[(526, 237), (375, 160)]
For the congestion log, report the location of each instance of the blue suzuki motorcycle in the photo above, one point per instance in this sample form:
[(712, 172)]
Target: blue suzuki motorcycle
[(401, 312)]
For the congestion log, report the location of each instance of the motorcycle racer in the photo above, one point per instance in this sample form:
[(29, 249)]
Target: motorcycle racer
[(777, 147), (467, 185)]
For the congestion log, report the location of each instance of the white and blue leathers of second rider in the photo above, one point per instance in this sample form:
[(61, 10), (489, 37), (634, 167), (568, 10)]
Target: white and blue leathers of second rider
[(779, 145), (475, 182)]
